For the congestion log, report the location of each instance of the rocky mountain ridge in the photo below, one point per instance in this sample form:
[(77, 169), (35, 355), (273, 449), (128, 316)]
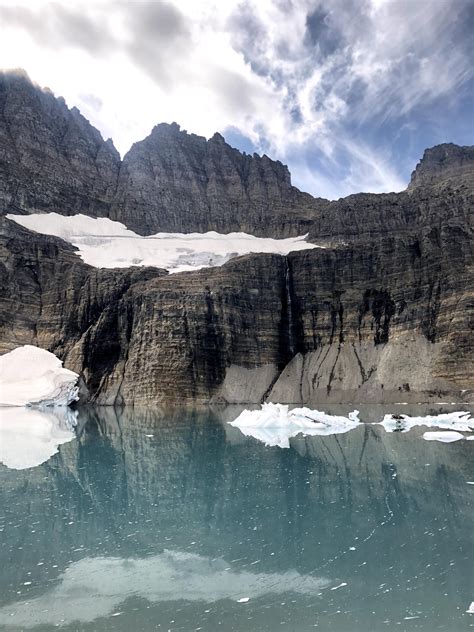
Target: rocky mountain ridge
[(382, 313)]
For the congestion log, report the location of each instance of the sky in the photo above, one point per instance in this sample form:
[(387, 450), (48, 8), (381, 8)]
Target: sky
[(348, 93)]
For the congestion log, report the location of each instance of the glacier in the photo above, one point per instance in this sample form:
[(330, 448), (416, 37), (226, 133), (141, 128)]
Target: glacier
[(104, 243)]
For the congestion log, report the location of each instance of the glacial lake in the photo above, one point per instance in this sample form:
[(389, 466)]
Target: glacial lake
[(148, 519)]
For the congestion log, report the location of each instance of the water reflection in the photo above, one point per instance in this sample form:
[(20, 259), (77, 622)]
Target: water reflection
[(148, 506), (29, 437), (95, 587)]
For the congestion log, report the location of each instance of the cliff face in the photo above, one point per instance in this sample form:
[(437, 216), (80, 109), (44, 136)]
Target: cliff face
[(51, 158), (382, 313), (173, 180)]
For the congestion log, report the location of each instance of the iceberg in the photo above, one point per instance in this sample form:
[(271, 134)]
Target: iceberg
[(460, 421), (104, 243), (29, 437), (30, 376), (275, 425)]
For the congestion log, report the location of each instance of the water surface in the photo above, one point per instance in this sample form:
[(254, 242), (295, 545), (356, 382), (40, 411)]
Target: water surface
[(155, 520)]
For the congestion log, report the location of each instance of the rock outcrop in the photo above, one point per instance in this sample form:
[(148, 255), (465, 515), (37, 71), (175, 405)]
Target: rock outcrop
[(382, 313), (51, 158)]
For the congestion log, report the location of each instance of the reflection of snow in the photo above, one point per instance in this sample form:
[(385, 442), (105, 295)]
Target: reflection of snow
[(30, 376), (445, 436), (107, 244), (29, 437), (274, 424), (460, 421), (94, 587)]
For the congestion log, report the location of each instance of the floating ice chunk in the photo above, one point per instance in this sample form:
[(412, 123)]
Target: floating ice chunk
[(446, 436), (104, 243), (461, 421), (274, 424), (30, 376), (29, 437)]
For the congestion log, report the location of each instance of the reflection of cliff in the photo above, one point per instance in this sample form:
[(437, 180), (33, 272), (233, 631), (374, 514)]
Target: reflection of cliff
[(118, 492)]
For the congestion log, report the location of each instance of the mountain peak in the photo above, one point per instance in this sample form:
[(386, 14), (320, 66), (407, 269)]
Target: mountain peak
[(441, 163)]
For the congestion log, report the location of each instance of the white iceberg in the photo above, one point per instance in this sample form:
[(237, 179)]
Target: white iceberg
[(445, 436), (30, 376), (275, 425), (460, 421), (96, 586), (104, 243), (29, 437)]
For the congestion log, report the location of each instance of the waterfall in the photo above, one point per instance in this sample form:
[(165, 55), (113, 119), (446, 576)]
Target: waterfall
[(289, 310)]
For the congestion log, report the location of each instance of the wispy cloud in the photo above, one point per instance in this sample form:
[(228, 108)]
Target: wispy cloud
[(338, 89)]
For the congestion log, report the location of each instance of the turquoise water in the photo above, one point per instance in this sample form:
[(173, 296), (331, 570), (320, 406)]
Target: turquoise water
[(153, 520)]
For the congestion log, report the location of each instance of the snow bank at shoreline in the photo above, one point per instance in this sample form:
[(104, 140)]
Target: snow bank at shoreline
[(30, 376), (104, 243), (275, 425)]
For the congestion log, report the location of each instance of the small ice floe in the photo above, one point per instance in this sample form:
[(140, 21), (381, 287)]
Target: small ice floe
[(30, 376), (445, 436), (470, 610), (275, 425), (460, 421)]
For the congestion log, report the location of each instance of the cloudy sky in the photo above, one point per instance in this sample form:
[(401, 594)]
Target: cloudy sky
[(348, 93)]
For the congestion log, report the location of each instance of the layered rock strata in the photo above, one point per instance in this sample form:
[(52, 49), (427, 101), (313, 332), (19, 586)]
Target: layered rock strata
[(383, 313)]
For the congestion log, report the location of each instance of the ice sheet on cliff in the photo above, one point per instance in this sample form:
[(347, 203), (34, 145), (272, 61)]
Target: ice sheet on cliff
[(30, 376), (275, 425), (104, 243)]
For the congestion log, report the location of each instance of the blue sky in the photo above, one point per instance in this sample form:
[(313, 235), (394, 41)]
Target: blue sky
[(348, 93)]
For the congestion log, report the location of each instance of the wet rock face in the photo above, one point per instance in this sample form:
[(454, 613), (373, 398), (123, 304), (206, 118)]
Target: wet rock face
[(382, 313)]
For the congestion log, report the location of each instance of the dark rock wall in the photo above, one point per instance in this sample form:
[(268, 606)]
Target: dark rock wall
[(384, 308)]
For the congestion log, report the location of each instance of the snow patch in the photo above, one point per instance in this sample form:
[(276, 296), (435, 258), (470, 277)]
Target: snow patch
[(30, 376), (443, 436), (29, 437), (104, 243), (274, 424)]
